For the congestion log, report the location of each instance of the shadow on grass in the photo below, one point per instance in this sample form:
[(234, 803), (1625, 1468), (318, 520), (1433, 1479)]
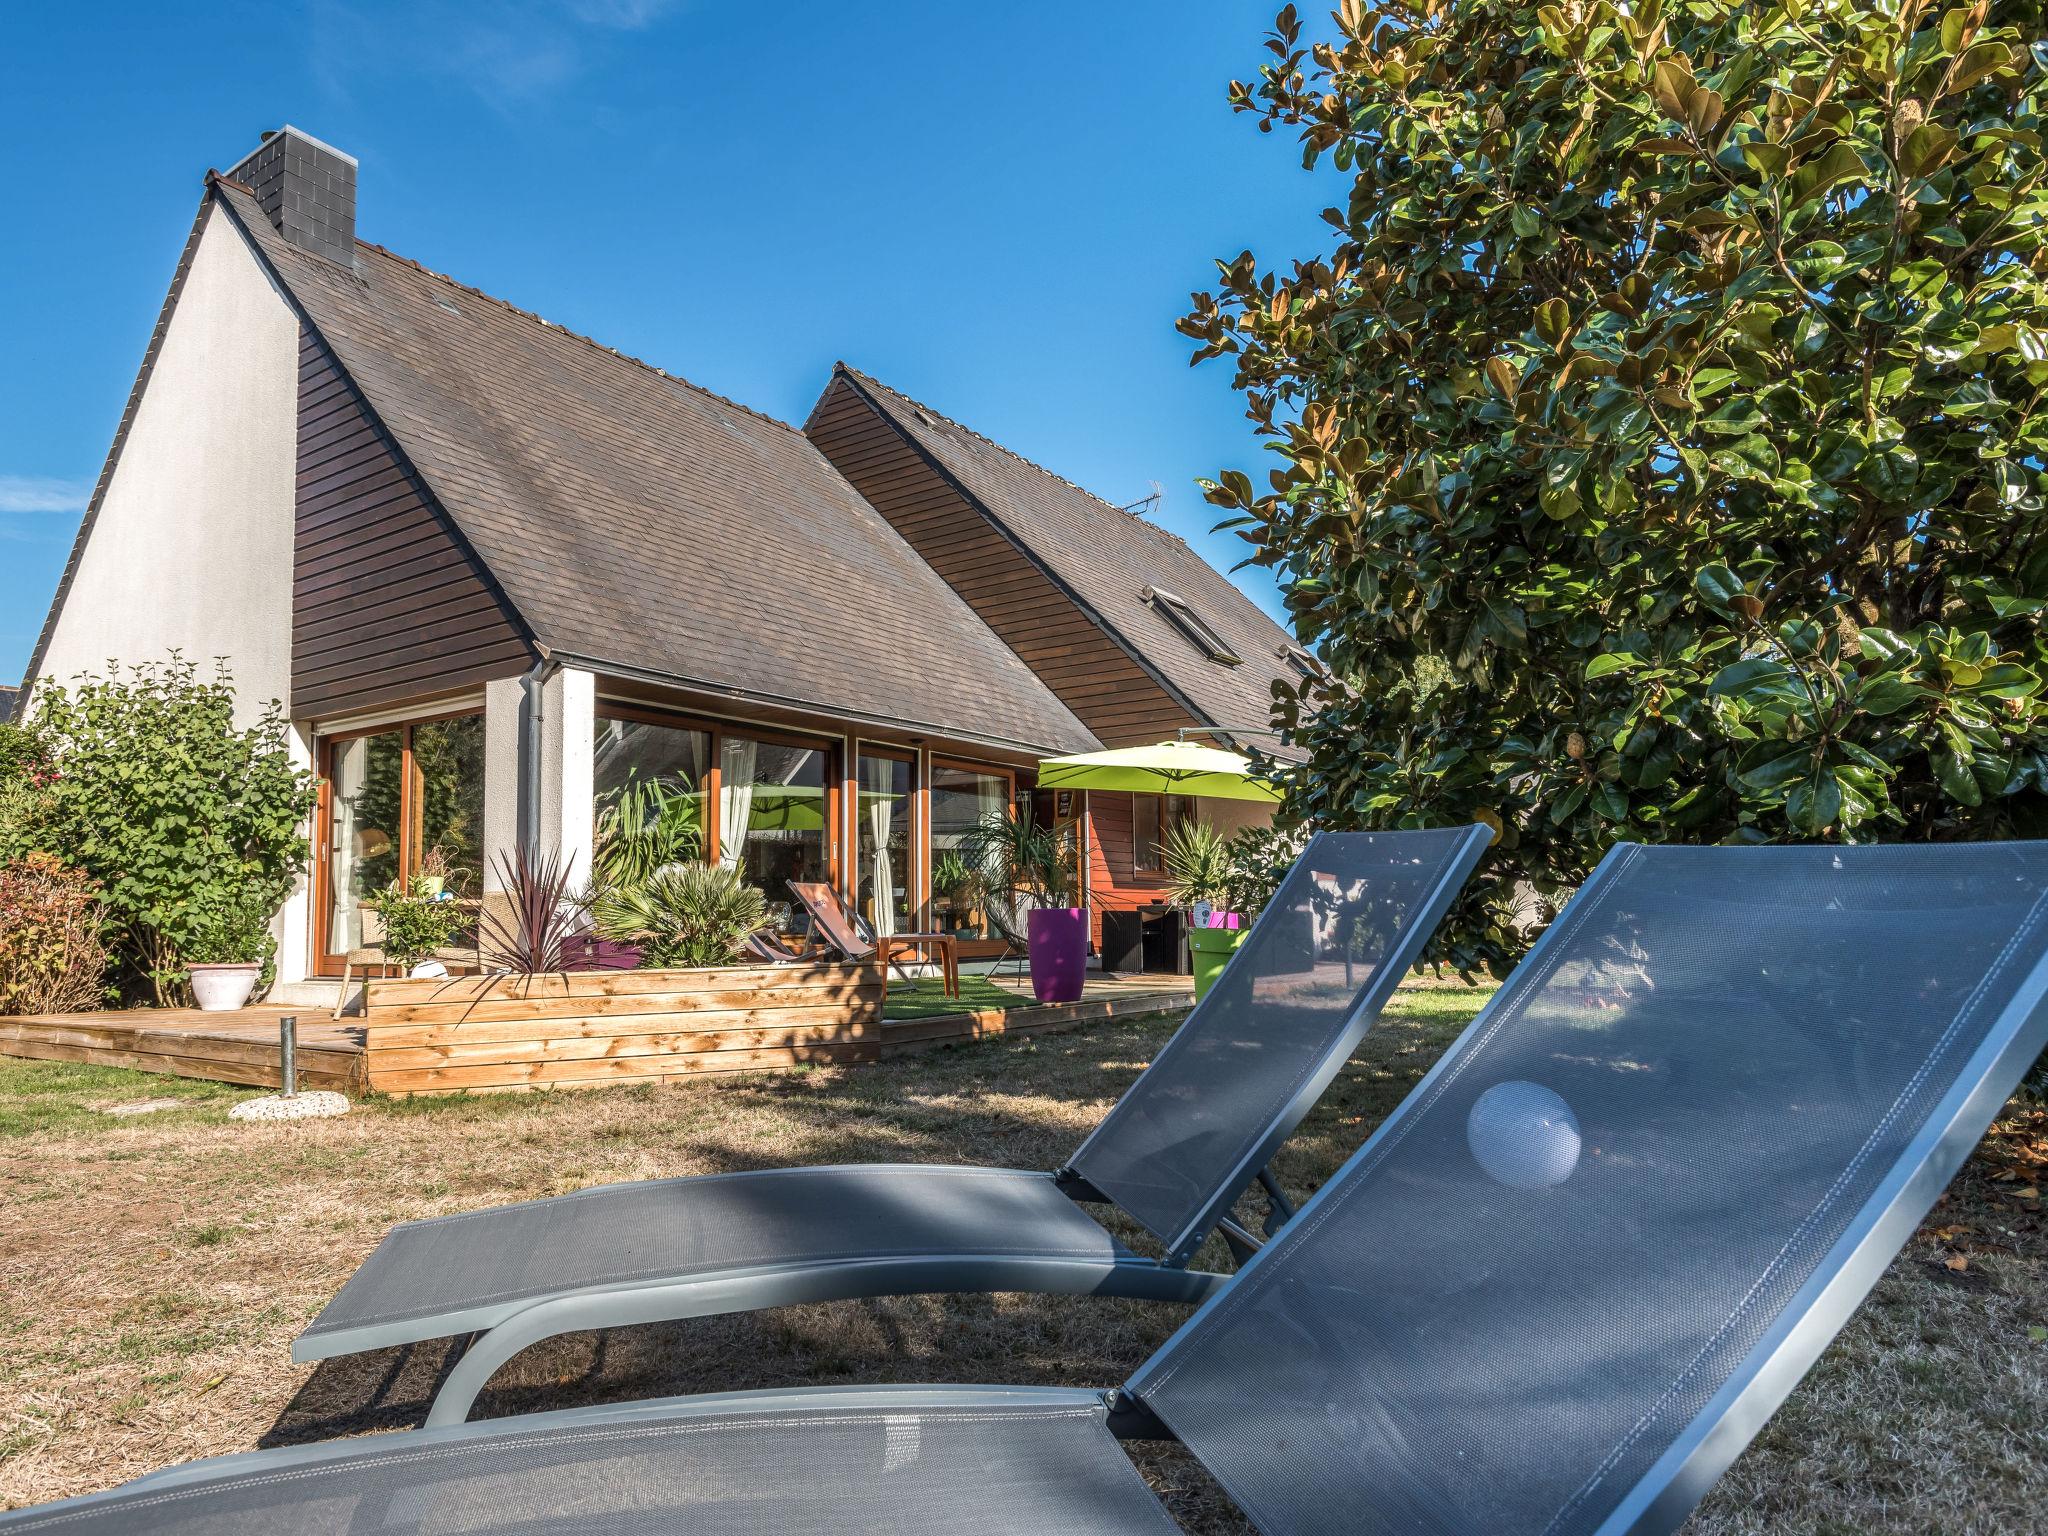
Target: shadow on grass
[(1017, 1103)]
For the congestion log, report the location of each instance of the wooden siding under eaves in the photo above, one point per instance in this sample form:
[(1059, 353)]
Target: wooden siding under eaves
[(387, 603), (1093, 675)]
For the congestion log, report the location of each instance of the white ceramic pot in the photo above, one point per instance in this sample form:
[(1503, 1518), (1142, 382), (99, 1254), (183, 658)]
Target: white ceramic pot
[(222, 988)]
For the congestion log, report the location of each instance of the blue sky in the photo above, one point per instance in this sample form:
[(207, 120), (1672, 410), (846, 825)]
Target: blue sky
[(998, 209)]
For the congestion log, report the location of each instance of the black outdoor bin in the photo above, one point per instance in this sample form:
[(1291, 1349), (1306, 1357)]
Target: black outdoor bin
[(1165, 954)]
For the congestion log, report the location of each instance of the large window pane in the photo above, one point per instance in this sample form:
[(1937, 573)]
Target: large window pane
[(882, 832), (771, 817), (648, 785), (365, 819), (962, 798), (448, 765)]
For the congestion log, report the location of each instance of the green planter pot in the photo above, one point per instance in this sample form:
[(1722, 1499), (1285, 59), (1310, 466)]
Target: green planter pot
[(1211, 949)]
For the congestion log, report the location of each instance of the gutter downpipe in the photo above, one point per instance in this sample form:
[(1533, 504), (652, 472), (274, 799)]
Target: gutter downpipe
[(532, 682)]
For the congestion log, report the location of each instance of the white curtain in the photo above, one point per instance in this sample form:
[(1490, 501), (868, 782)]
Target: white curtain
[(880, 814), (735, 799), (344, 916)]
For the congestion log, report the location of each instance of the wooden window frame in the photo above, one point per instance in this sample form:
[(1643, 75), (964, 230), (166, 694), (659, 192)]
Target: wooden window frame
[(1164, 802), (411, 825), (1180, 613), (836, 861), (973, 949)]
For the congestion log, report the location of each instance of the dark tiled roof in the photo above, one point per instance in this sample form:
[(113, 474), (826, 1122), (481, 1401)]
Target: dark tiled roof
[(635, 519), (1108, 557), (7, 698)]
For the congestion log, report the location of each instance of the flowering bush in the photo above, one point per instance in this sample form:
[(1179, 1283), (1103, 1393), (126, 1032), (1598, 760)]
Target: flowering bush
[(52, 956)]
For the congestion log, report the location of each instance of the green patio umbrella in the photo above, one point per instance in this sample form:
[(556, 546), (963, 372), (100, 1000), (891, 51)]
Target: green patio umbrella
[(1165, 768), (786, 808)]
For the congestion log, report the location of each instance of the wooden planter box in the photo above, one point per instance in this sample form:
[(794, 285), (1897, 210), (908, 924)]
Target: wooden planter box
[(589, 1028)]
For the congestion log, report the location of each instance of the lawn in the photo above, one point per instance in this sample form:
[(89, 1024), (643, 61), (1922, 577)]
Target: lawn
[(154, 1268), (926, 998)]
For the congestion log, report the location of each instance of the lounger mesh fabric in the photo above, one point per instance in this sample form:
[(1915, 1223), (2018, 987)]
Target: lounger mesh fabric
[(1291, 994), (1520, 1293), (906, 1472), (485, 1263)]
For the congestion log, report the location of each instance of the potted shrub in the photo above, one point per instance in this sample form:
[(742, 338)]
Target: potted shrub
[(227, 948), (415, 920), (1036, 865), (431, 878), (686, 915), (1197, 862), (955, 893)]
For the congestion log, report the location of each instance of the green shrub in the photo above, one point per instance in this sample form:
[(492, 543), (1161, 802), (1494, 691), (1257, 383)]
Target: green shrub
[(53, 958), (189, 822), (23, 753), (687, 915), (229, 925), (1259, 859), (1658, 439), (414, 922)]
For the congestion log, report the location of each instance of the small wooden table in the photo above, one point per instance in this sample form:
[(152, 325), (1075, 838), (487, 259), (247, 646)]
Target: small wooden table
[(944, 944)]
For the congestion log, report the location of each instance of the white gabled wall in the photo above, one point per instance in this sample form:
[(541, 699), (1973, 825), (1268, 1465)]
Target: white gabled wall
[(192, 546)]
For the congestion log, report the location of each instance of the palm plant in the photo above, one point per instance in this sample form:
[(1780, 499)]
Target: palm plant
[(539, 914), (647, 826), (1016, 859), (1198, 867), (684, 915)]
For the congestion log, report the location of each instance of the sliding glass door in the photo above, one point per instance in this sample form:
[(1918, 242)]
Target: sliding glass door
[(774, 810), (756, 802), (365, 831), (393, 797), (883, 876), (962, 798)]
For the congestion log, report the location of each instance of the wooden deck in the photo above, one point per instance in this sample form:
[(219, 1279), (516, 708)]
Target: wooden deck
[(224, 1047), (243, 1047)]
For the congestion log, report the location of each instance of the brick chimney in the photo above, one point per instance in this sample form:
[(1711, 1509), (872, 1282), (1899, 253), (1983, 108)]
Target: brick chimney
[(309, 190)]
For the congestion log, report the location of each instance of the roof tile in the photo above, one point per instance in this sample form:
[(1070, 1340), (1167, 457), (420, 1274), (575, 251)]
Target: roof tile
[(636, 519)]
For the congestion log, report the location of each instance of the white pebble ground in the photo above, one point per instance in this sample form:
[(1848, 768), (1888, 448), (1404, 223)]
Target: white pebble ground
[(300, 1106)]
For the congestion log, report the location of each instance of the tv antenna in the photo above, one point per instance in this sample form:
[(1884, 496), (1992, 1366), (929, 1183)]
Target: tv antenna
[(1145, 506)]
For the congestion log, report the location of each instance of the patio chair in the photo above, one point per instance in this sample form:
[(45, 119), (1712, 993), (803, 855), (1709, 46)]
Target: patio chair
[(1195, 1131), (1558, 1290), (847, 931)]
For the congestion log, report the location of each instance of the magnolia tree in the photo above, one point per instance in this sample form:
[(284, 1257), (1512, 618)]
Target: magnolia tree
[(1660, 436)]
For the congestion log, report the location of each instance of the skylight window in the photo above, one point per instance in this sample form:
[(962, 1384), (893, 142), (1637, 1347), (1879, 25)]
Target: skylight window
[(1191, 624), (1303, 662)]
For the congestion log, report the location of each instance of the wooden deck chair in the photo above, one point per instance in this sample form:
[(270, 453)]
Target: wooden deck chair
[(851, 934)]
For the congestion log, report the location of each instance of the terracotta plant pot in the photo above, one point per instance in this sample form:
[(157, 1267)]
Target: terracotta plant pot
[(1059, 952), (222, 988)]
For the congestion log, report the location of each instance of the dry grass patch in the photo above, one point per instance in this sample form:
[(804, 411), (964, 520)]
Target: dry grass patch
[(153, 1271)]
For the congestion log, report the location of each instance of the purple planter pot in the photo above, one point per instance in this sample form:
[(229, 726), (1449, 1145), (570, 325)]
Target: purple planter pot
[(587, 952), (1059, 952)]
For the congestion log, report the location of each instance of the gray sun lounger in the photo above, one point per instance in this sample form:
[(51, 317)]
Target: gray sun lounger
[(1189, 1137), (1556, 1293)]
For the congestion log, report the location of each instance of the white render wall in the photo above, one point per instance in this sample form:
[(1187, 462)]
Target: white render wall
[(567, 748), (192, 548)]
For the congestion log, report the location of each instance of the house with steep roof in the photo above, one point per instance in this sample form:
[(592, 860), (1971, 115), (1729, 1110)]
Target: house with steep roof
[(501, 575)]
